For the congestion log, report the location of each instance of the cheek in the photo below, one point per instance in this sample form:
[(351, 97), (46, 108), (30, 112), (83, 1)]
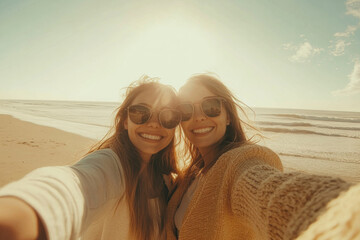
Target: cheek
[(184, 128), (171, 133), (169, 138), (129, 126), (184, 125), (223, 118), (225, 121)]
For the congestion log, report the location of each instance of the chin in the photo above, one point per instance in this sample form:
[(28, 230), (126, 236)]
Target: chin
[(203, 145), (151, 152)]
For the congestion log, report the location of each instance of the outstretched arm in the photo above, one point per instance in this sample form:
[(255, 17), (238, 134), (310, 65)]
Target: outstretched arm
[(19, 221), (68, 199), (282, 205)]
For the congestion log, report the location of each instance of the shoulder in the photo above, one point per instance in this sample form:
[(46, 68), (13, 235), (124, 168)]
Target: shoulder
[(101, 176), (102, 156), (248, 153), (100, 161)]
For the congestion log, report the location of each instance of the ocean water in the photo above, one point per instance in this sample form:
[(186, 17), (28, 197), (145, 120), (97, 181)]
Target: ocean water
[(319, 142)]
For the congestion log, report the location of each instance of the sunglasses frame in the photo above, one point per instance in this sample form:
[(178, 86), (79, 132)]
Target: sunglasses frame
[(201, 108), (151, 114)]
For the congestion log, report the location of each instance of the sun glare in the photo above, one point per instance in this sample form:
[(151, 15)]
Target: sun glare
[(173, 51)]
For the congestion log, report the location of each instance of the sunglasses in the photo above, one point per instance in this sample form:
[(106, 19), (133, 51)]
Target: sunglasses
[(211, 107), (140, 114)]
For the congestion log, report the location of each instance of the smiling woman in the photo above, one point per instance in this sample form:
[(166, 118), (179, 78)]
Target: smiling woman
[(150, 128), (233, 188), (119, 188)]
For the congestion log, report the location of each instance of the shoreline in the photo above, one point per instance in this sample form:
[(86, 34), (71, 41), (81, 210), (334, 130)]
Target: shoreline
[(346, 171), (25, 146)]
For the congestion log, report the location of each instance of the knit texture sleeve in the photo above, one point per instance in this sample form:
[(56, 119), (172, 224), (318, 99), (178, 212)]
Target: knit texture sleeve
[(281, 205), (67, 197)]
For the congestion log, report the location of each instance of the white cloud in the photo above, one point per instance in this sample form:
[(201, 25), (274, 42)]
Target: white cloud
[(353, 86), (353, 8), (339, 47), (349, 31), (303, 52), (288, 46)]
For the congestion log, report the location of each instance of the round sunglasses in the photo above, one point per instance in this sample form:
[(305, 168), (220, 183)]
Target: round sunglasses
[(211, 107), (140, 114)]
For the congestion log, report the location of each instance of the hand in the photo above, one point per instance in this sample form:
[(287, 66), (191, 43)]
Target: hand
[(18, 220)]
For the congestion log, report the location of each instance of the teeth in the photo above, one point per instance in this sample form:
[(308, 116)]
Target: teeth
[(202, 130), (151, 137)]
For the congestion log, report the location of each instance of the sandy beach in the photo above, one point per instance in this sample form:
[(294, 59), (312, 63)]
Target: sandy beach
[(25, 146)]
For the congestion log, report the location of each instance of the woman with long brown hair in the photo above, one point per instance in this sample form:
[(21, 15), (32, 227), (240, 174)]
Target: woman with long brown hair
[(235, 189), (117, 191)]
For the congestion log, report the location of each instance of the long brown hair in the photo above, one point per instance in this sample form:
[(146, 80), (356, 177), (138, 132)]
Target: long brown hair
[(141, 186), (234, 134)]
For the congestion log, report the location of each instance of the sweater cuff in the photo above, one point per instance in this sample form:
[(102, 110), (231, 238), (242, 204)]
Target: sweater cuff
[(282, 204)]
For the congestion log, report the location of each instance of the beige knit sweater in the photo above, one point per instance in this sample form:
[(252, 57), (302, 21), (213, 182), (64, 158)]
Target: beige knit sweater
[(245, 196)]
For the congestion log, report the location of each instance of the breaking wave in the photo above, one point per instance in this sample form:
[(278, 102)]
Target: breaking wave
[(302, 124), (301, 131), (318, 118)]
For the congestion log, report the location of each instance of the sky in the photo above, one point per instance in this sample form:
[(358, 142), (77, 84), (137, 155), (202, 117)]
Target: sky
[(279, 54)]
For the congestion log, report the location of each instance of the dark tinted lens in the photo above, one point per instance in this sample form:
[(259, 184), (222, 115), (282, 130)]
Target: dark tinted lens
[(211, 107), (139, 114), (169, 118), (186, 110)]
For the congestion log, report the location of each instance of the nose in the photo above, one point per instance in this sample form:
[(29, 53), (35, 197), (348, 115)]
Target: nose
[(198, 114), (154, 120)]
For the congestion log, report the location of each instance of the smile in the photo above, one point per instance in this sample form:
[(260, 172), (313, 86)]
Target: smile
[(150, 136), (203, 130)]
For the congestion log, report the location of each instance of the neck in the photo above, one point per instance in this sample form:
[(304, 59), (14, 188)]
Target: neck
[(145, 157), (143, 166), (208, 155)]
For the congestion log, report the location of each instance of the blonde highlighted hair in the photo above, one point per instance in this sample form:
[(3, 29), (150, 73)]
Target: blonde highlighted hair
[(141, 186)]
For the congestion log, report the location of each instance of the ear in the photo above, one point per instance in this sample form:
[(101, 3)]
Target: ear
[(227, 119), (126, 124)]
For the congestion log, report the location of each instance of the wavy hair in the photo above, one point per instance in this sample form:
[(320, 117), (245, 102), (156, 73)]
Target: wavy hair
[(141, 186), (234, 134)]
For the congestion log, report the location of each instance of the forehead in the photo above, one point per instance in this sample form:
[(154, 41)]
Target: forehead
[(160, 98), (194, 93)]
